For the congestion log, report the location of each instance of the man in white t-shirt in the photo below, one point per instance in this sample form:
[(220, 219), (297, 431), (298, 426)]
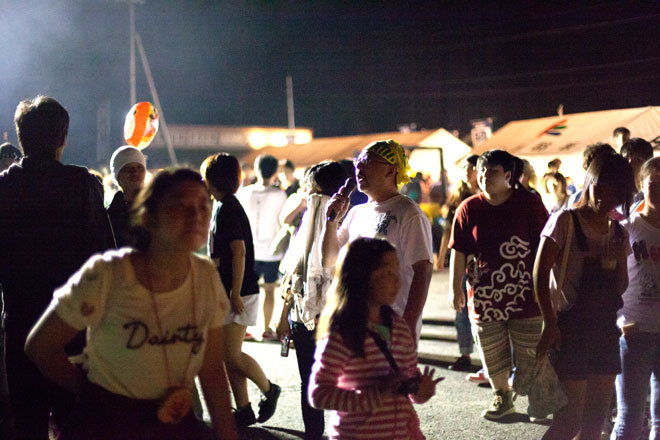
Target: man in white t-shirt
[(262, 203), (381, 169)]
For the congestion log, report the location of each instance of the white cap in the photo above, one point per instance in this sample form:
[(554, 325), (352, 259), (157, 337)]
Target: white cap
[(125, 155)]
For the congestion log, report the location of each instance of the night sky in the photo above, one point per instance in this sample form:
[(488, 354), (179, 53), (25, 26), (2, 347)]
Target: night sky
[(358, 67)]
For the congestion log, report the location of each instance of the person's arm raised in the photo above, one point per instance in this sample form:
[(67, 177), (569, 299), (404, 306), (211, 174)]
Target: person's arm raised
[(338, 205)]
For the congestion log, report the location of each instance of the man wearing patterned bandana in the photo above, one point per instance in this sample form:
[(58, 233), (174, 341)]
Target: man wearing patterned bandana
[(381, 169), (494, 239)]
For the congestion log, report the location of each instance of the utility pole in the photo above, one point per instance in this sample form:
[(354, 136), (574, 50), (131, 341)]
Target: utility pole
[(135, 40), (290, 113), (131, 21), (154, 96)]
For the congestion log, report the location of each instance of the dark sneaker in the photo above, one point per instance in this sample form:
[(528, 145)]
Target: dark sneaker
[(501, 405), (463, 363), (268, 402), (244, 417)]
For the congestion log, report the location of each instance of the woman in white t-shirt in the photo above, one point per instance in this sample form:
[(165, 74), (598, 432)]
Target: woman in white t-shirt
[(639, 318), (153, 317)]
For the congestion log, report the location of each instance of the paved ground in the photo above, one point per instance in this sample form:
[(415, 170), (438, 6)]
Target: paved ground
[(454, 413)]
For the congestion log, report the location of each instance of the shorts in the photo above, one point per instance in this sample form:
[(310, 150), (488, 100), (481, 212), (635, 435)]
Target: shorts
[(250, 312), (269, 269), (587, 349)]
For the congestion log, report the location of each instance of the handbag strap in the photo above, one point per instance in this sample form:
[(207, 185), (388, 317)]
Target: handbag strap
[(380, 342), (567, 249)]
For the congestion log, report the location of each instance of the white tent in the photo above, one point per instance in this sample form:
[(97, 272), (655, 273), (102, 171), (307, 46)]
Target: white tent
[(565, 137), (425, 145)]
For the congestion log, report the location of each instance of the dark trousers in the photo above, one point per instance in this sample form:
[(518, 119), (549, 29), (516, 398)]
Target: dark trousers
[(305, 344), (102, 415), (32, 396)]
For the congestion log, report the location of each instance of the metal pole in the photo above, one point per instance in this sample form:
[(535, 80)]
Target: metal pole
[(154, 96), (131, 20), (290, 112)]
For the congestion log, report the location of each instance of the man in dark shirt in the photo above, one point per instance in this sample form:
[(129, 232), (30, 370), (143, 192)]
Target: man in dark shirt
[(495, 235), (53, 220)]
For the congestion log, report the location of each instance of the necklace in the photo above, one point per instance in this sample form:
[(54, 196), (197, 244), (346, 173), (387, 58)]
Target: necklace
[(177, 401)]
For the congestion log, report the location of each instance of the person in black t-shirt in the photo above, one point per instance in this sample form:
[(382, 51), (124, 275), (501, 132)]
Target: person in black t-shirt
[(231, 248)]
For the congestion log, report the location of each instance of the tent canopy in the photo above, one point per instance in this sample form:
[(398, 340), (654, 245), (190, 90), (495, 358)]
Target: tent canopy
[(570, 134), (565, 137), (336, 148)]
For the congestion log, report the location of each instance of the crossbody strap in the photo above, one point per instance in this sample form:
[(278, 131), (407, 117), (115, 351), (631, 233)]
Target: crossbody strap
[(564, 258), (380, 342)]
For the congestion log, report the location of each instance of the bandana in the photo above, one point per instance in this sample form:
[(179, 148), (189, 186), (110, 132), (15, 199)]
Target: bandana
[(393, 152)]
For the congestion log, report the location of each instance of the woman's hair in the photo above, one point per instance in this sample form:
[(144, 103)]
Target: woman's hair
[(347, 309), (528, 169), (328, 176), (560, 179), (615, 171), (223, 171), (462, 189), (472, 159), (150, 197), (593, 150), (651, 166)]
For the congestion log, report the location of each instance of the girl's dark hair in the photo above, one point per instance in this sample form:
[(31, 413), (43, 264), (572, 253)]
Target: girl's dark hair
[(150, 197), (462, 190), (614, 170), (328, 176), (560, 179), (223, 171), (651, 166), (472, 159), (347, 309)]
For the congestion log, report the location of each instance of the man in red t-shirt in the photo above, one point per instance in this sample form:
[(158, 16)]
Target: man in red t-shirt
[(494, 239)]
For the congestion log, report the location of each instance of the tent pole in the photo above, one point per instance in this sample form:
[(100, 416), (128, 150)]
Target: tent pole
[(154, 96)]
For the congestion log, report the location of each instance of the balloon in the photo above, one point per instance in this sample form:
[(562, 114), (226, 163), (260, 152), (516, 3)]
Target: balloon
[(141, 125)]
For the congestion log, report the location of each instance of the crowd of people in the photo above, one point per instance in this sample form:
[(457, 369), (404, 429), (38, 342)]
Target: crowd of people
[(115, 321)]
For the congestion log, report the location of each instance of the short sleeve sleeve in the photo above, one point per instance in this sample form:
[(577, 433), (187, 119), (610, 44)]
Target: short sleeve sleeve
[(342, 232), (540, 218), (81, 301), (556, 228), (228, 223), (417, 237), (461, 240)]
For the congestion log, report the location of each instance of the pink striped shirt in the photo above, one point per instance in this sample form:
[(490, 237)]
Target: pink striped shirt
[(348, 385)]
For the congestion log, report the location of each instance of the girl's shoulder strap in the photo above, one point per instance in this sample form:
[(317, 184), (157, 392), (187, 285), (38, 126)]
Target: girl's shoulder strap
[(580, 237)]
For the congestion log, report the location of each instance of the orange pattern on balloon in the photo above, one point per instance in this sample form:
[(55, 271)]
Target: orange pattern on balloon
[(141, 125)]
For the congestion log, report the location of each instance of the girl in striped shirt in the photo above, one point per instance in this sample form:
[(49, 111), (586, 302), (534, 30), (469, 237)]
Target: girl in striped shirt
[(365, 367)]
